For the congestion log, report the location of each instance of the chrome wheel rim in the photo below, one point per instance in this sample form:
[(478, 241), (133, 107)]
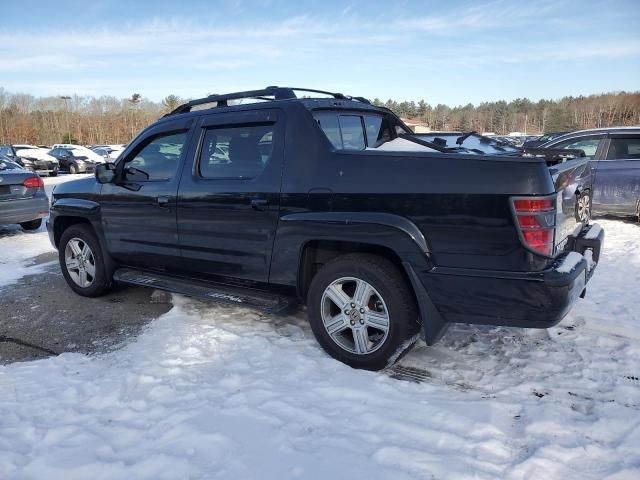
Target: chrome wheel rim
[(80, 262), (583, 208), (355, 315)]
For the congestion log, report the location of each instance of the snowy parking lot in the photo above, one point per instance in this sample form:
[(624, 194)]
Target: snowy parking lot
[(207, 391)]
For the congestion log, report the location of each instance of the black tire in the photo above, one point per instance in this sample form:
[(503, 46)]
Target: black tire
[(385, 278), (53, 173), (102, 281), (583, 207), (73, 169), (32, 224)]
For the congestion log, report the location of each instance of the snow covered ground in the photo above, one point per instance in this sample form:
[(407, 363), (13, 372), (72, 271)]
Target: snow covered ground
[(211, 392)]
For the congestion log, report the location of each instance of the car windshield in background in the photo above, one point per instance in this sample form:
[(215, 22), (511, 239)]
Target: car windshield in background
[(486, 145)]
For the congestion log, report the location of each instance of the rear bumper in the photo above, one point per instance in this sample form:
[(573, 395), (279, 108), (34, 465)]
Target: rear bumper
[(520, 299), (24, 209)]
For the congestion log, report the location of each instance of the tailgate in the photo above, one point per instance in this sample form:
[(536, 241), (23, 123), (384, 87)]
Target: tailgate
[(570, 178)]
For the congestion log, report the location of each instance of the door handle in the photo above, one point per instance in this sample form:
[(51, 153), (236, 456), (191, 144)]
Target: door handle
[(163, 200), (259, 204)]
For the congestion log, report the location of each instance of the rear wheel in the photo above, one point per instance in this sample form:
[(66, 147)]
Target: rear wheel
[(362, 311), (73, 169), (583, 207), (32, 224), (82, 262), (53, 173)]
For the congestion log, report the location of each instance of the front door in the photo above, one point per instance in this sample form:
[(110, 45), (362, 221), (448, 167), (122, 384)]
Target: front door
[(616, 184), (139, 211), (229, 199)]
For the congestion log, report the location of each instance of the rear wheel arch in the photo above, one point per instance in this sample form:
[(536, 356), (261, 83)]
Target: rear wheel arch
[(317, 253)]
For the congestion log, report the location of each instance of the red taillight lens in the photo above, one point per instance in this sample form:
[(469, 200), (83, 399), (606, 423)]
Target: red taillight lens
[(539, 240), (528, 221), (535, 219), (33, 182), (533, 205)]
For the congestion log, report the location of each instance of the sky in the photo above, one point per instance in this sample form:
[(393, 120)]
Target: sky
[(452, 52)]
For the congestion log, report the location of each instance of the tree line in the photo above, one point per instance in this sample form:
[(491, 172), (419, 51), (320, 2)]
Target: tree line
[(523, 115), (106, 119)]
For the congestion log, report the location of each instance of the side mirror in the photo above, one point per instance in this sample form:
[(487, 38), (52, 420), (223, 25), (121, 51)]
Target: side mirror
[(105, 172)]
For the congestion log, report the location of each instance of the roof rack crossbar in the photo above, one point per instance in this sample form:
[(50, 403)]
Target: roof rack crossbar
[(278, 93)]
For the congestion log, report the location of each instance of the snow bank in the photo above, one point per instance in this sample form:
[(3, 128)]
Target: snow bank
[(222, 392), (18, 250)]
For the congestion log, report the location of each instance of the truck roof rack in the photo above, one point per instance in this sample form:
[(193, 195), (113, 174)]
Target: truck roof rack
[(271, 93)]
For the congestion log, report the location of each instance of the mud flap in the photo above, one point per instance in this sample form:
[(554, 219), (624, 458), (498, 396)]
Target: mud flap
[(433, 325)]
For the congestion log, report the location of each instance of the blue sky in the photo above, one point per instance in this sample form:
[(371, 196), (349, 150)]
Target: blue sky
[(451, 52)]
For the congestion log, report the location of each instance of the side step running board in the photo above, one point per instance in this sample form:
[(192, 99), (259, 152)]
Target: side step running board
[(239, 296)]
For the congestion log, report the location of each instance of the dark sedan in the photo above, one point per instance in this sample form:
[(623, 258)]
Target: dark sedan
[(22, 196), (72, 161), (615, 154)]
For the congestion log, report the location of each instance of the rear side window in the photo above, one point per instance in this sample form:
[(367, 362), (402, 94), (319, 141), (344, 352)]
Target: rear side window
[(621, 148), (588, 145), (236, 152)]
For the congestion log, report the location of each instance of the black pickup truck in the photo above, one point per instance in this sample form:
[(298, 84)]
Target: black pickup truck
[(268, 200)]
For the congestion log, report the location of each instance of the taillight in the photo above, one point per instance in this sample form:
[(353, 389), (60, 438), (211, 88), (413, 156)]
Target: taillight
[(33, 182), (536, 219)]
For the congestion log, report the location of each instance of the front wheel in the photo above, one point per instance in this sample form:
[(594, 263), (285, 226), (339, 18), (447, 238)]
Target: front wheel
[(82, 262), (362, 311), (73, 169), (583, 207), (53, 173)]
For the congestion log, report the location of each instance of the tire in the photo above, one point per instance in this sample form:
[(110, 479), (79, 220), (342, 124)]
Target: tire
[(351, 335), (583, 207), (98, 282), (73, 169), (32, 225), (53, 173)]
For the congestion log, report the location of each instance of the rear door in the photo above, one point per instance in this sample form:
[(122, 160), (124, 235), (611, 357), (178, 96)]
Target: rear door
[(616, 185), (229, 198)]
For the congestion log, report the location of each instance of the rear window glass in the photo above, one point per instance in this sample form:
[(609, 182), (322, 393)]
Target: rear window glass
[(352, 132)]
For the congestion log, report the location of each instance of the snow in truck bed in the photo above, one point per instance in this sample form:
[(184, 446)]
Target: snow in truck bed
[(212, 392)]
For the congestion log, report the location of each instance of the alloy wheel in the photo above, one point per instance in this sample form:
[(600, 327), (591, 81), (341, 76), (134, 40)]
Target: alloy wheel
[(355, 315), (80, 262)]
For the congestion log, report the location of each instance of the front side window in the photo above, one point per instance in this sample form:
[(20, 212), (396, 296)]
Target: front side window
[(240, 153), (622, 148), (157, 159), (588, 145)]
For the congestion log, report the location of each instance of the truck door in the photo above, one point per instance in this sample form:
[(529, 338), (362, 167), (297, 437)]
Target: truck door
[(616, 186), (229, 198), (139, 212)]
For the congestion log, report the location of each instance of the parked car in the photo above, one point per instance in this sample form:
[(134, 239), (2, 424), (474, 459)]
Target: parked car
[(74, 160), (22, 196), (36, 159), (470, 142), (615, 155), (79, 150), (332, 203), (108, 152), (541, 140)]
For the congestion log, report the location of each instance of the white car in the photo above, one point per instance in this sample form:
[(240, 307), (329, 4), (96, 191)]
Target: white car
[(79, 150), (109, 152), (37, 159)]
